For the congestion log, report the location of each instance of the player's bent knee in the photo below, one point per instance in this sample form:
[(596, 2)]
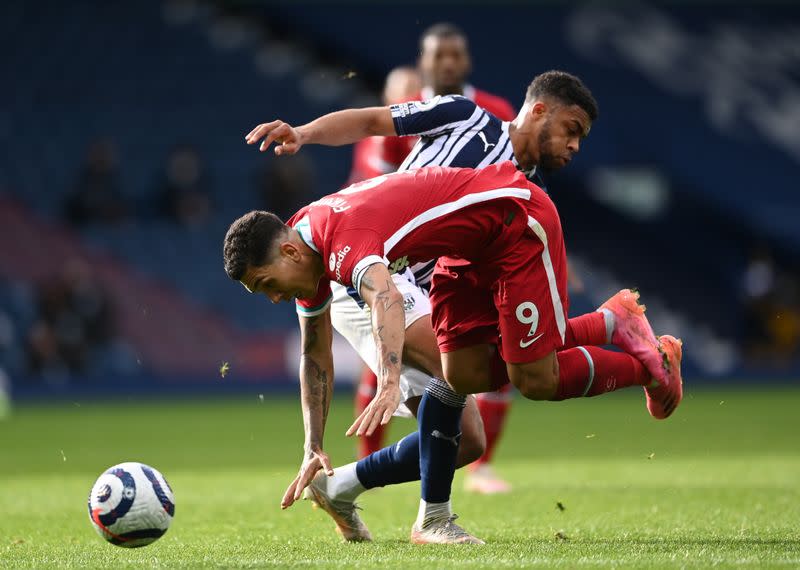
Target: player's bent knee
[(467, 370), (466, 380), (537, 380)]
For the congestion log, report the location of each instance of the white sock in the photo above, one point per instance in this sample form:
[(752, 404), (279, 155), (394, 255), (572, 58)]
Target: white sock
[(344, 483), (429, 512), (611, 322)]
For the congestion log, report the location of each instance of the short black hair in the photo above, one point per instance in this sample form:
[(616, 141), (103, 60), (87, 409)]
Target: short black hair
[(249, 242), (442, 30), (564, 87)]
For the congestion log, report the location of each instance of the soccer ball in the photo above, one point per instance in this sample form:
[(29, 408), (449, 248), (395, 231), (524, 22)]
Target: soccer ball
[(131, 504)]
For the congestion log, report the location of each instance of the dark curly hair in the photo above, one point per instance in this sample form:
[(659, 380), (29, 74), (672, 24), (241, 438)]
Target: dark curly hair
[(249, 240), (564, 87)]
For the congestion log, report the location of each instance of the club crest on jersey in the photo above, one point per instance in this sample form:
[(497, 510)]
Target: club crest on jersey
[(398, 264), (337, 262)]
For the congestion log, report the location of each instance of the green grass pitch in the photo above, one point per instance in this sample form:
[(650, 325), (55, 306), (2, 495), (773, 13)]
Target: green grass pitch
[(716, 485)]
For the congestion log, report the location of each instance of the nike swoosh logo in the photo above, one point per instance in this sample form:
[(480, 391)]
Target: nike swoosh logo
[(524, 344)]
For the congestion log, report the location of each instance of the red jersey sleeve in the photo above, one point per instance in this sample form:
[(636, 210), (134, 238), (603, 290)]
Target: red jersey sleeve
[(352, 252)]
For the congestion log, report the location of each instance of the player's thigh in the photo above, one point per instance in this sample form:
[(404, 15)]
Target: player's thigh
[(420, 349), (530, 295), (353, 323), (465, 320), (468, 369)]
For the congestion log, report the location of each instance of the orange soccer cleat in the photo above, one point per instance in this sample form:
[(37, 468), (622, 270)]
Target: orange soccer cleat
[(633, 333), (664, 398)]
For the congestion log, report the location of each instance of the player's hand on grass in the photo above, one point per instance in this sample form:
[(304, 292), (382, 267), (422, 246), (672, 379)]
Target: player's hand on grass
[(315, 459), (288, 139), (379, 411)]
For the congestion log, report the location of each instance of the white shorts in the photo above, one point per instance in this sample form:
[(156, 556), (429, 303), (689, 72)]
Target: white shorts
[(355, 325)]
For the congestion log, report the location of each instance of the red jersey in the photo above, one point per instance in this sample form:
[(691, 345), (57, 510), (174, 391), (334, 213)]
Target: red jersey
[(375, 156), (412, 216)]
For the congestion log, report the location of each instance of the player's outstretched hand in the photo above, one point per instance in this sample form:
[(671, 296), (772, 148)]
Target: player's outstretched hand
[(378, 412), (314, 460), (288, 138)]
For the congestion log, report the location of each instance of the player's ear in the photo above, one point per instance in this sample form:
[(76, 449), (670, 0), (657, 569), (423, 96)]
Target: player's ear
[(538, 109), (290, 251)]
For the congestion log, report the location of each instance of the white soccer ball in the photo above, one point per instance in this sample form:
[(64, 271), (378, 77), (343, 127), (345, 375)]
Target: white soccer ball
[(131, 504)]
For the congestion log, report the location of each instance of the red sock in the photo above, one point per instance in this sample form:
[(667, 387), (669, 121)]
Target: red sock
[(586, 330), (367, 386), (591, 371), (493, 407)]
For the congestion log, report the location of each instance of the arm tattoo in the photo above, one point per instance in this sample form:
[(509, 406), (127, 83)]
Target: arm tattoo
[(383, 295), (384, 298), (316, 377), (316, 380), (316, 401), (310, 334)]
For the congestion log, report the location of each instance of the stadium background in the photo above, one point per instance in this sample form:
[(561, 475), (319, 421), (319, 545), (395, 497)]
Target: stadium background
[(123, 162)]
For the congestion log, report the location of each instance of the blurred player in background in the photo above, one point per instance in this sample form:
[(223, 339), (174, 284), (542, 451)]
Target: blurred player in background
[(445, 65), (370, 154)]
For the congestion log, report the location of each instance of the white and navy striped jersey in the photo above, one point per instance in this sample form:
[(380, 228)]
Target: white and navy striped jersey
[(454, 132)]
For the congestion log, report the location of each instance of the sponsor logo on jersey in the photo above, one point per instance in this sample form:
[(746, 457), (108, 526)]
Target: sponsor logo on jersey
[(486, 144), (339, 259), (398, 264), (332, 261)]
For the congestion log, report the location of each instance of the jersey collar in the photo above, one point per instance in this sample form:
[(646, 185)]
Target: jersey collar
[(303, 228)]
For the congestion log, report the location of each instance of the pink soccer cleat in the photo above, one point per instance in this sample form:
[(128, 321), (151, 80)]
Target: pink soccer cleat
[(664, 398), (633, 333)]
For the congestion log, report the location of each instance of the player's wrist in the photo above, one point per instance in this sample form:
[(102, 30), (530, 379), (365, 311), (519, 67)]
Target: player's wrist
[(301, 135)]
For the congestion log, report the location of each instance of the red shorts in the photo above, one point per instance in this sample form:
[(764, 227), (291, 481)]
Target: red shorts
[(517, 298)]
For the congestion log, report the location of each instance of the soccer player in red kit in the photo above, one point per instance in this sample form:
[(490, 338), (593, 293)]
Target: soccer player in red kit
[(511, 295)]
